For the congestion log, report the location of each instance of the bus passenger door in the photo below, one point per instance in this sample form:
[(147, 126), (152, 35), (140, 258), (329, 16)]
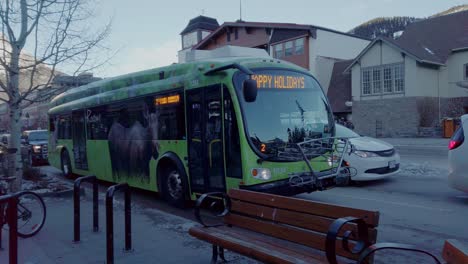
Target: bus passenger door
[(79, 139), (205, 139)]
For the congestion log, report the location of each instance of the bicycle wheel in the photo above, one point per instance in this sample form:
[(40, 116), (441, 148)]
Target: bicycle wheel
[(31, 214)]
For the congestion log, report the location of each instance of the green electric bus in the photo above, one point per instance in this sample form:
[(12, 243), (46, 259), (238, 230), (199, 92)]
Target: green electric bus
[(196, 127)]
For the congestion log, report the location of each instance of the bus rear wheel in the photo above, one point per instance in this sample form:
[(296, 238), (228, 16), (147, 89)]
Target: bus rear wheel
[(174, 187), (66, 164)]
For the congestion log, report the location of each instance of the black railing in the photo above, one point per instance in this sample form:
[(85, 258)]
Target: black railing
[(110, 220), (12, 220), (76, 206)]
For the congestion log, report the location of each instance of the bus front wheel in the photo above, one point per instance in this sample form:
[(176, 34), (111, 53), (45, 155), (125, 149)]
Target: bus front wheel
[(173, 187), (66, 164)]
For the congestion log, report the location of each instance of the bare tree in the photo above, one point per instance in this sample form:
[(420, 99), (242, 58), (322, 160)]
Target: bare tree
[(57, 34)]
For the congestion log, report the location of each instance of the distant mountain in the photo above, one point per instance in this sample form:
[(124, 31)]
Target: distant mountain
[(452, 10), (388, 26), (382, 26)]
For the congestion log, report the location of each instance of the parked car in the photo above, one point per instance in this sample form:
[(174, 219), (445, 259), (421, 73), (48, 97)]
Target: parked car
[(369, 158), (458, 157), (34, 146)]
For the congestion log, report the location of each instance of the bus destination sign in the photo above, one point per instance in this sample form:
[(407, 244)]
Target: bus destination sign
[(279, 81)]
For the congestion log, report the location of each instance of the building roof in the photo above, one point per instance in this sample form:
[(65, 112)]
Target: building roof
[(201, 22), (283, 27), (339, 90), (431, 40), (284, 34), (434, 39)]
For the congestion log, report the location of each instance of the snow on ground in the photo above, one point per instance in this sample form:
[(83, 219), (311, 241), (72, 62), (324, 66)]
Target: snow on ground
[(423, 170)]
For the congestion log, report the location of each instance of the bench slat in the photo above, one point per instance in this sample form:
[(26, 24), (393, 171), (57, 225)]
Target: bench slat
[(454, 252), (280, 245), (298, 219), (300, 236), (306, 206), (253, 249)]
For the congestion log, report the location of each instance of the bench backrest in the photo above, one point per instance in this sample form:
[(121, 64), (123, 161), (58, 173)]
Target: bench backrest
[(301, 221), (454, 252)]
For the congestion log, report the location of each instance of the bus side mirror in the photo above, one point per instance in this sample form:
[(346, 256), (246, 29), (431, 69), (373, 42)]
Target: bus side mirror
[(249, 89)]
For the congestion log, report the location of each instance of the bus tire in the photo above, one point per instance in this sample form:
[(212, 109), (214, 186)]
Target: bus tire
[(174, 186), (66, 164)]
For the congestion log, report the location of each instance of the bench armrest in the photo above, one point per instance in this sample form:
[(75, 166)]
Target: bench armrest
[(224, 199), (380, 246), (362, 240)]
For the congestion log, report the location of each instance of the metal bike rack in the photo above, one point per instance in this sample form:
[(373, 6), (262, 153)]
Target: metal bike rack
[(76, 205), (110, 220), (12, 219)]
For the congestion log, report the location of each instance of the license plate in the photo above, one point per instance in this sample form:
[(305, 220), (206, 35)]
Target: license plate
[(391, 164)]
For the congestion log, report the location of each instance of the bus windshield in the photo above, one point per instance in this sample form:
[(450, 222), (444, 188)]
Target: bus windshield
[(290, 107)]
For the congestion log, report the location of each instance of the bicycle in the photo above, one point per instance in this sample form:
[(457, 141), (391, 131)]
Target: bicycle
[(31, 210)]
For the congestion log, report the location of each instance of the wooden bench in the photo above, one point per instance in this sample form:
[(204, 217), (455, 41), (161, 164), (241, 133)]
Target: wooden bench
[(278, 229), (454, 252)]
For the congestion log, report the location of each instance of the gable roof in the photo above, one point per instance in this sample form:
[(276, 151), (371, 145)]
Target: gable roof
[(339, 90), (284, 27), (431, 40), (435, 38), (201, 22)]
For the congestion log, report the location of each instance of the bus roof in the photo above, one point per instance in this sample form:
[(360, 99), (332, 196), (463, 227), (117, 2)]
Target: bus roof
[(152, 80)]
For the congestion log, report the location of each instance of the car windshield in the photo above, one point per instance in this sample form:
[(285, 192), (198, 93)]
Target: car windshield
[(290, 107), (38, 135), (345, 132)]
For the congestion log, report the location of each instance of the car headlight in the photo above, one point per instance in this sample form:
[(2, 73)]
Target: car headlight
[(365, 154), (37, 148), (261, 173)]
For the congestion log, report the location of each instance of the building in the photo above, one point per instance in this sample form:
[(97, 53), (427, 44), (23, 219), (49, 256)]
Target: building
[(339, 90), (197, 29), (406, 86), (311, 47), (35, 115)]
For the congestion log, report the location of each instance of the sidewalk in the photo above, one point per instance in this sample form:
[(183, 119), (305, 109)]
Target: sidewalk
[(157, 237), (422, 142)]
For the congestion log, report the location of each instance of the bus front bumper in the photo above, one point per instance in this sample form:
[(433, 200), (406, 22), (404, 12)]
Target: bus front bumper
[(284, 187)]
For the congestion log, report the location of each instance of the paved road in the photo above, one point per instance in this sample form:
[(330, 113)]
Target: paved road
[(417, 207)]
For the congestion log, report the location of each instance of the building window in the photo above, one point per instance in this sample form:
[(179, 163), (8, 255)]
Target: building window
[(366, 86), (376, 80), (399, 78), (466, 71), (278, 51), (288, 48), (228, 35), (299, 46), (388, 83), (236, 33), (385, 79)]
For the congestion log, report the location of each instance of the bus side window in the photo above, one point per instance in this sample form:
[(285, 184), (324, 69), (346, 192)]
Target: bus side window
[(51, 125), (172, 119), (64, 127), (232, 141)]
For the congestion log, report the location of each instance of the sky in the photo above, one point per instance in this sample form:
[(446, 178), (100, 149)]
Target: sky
[(146, 33)]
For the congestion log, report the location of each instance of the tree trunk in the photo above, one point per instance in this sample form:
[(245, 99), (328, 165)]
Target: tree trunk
[(15, 166)]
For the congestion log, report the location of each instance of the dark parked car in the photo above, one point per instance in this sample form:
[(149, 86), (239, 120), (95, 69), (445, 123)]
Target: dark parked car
[(34, 146)]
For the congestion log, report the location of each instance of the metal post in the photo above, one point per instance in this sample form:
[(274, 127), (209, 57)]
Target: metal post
[(76, 212), (95, 206), (110, 220), (12, 216), (128, 221), (110, 227), (76, 205)]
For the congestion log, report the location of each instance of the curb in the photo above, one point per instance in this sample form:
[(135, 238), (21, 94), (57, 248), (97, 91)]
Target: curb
[(61, 194)]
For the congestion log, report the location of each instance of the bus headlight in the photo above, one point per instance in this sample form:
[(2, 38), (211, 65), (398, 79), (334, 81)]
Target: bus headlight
[(37, 149), (261, 173)]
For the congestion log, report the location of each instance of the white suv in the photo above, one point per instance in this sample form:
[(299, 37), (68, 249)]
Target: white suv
[(458, 157)]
